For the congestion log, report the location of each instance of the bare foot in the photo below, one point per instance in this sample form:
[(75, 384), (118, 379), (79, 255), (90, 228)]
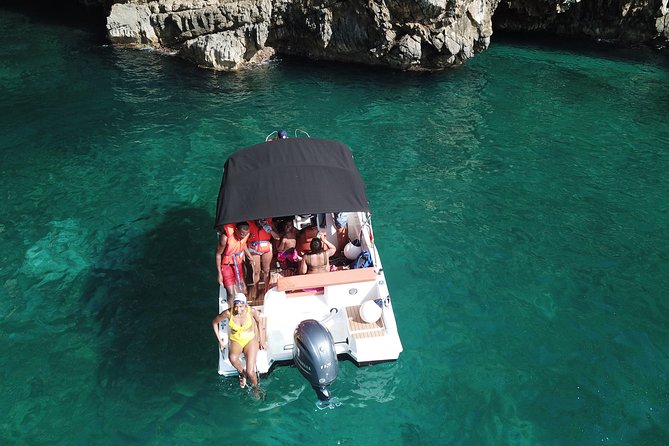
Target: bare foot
[(242, 380)]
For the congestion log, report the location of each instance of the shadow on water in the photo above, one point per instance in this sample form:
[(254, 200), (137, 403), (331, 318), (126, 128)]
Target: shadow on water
[(638, 53), (91, 18), (151, 300)]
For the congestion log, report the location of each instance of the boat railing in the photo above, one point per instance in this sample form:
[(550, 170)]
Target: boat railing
[(299, 133)]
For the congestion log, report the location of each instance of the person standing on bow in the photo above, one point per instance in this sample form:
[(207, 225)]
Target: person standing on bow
[(230, 252), (260, 247)]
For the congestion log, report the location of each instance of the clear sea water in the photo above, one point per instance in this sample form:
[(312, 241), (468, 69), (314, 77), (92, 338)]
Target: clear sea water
[(520, 205)]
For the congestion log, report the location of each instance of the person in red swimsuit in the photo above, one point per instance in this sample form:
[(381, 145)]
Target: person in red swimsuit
[(259, 242), (230, 253)]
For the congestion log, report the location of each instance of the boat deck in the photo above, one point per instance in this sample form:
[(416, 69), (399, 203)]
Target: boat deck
[(360, 329)]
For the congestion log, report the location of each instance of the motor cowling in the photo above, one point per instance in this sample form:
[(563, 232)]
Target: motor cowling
[(315, 357)]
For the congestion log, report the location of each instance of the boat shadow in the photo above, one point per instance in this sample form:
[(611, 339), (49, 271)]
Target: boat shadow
[(152, 298)]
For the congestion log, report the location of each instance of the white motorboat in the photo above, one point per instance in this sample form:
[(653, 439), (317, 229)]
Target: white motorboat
[(312, 319)]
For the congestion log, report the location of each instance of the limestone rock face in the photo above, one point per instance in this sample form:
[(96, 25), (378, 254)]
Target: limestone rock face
[(226, 50), (620, 21), (131, 25), (402, 34), (410, 35), (218, 34), (229, 34)]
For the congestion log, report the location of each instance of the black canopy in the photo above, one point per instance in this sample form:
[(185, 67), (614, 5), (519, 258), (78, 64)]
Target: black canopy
[(290, 177)]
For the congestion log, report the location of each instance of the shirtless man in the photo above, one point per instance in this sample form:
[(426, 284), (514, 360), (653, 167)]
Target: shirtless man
[(288, 238)]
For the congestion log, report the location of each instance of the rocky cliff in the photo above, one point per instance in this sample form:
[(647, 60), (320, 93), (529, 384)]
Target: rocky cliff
[(402, 34), (620, 21), (226, 34)]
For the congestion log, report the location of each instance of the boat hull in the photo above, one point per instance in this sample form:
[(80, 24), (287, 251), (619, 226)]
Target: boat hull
[(336, 300)]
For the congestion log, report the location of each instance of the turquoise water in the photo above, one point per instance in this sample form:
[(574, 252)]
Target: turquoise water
[(520, 205)]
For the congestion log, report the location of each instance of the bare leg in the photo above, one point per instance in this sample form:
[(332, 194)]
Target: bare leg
[(251, 352), (231, 294), (342, 238), (240, 276), (266, 263), (255, 258), (251, 294), (235, 351)]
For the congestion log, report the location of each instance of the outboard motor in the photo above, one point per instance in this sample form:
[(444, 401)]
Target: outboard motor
[(315, 357)]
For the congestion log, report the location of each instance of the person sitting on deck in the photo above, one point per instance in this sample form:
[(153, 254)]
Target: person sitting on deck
[(317, 259), (246, 336), (230, 252)]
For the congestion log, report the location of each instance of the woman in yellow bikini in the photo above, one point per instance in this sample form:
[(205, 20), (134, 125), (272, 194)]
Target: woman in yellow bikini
[(245, 337)]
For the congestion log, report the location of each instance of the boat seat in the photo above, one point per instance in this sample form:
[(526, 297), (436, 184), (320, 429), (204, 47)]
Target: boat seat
[(319, 280)]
